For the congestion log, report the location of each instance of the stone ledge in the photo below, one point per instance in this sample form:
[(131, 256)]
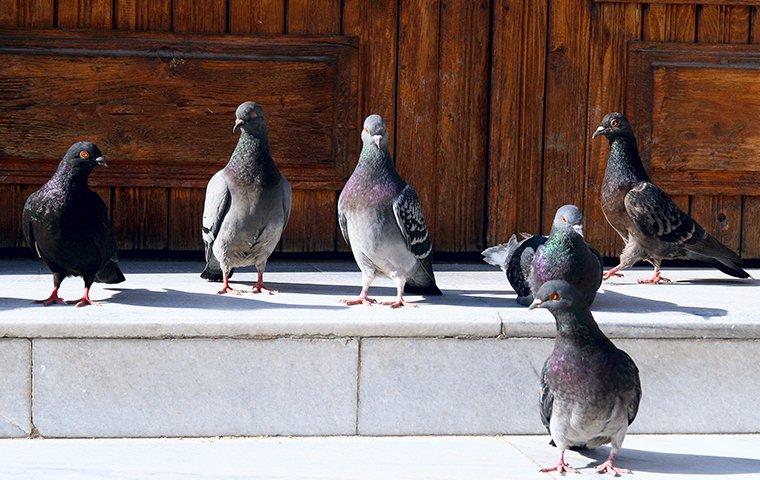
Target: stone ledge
[(168, 300)]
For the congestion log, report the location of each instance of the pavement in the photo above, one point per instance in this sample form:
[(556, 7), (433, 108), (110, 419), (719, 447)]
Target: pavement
[(658, 457), (168, 299)]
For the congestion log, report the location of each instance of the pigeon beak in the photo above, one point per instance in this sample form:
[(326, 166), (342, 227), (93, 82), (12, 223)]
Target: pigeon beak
[(578, 229), (376, 139), (101, 161), (537, 303), (599, 130), (238, 122)]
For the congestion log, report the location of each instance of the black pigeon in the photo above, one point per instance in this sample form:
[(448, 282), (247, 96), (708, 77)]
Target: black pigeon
[(590, 389), (66, 224), (650, 223), (515, 257)]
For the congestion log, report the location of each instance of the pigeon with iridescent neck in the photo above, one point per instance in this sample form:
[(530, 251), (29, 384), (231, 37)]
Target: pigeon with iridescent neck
[(590, 389), (515, 256), (648, 220), (381, 218), (247, 204)]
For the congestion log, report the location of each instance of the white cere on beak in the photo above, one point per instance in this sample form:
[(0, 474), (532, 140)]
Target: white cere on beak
[(536, 304), (377, 139), (579, 229)]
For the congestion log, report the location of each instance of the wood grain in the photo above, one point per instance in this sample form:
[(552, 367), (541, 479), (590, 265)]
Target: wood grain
[(85, 13), (155, 15), (199, 16), (462, 124), (314, 16), (751, 204), (140, 218), (262, 16), (683, 2)]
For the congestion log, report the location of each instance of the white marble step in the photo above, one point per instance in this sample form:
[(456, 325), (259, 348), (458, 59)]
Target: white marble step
[(650, 457)]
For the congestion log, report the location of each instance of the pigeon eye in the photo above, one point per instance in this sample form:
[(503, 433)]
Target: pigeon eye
[(84, 154), (554, 296), (253, 115), (615, 123), (564, 219)]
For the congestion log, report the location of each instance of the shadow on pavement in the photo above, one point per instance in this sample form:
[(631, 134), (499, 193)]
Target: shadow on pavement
[(676, 463)]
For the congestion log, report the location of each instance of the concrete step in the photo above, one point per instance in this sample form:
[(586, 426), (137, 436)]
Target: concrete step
[(653, 457), (163, 355)]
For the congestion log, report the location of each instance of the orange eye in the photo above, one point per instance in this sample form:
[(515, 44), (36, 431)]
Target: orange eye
[(615, 123), (84, 154), (554, 296), (564, 219)]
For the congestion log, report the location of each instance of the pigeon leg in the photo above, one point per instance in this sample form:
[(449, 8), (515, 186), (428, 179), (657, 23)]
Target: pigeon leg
[(259, 287), (560, 467), (612, 273), (655, 278), (53, 298), (226, 286), (609, 465), (363, 298), (399, 302), (85, 300)]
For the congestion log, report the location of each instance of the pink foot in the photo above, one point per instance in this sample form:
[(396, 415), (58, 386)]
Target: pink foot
[(260, 287), (53, 298), (560, 467), (84, 301), (228, 289), (359, 301), (609, 468), (400, 302), (654, 280), (611, 273)]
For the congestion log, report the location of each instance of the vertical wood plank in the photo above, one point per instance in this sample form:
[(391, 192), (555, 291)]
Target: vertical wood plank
[(199, 16), (566, 93), (8, 13), (35, 13), (671, 23), (144, 15), (85, 13), (462, 124), (139, 218), (612, 26), (417, 107), (262, 16), (751, 204), (721, 215), (314, 16), (313, 219), (517, 118)]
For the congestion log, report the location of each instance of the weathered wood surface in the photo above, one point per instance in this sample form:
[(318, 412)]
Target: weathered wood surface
[(489, 103)]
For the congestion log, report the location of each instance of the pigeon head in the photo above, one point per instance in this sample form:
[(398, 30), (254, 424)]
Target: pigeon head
[(82, 157), (249, 117), (374, 132), (614, 125), (558, 296), (568, 216)]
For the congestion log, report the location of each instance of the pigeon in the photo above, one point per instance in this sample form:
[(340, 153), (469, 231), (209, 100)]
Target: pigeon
[(67, 225), (650, 223), (590, 389), (381, 218), (566, 256), (515, 256), (247, 204)]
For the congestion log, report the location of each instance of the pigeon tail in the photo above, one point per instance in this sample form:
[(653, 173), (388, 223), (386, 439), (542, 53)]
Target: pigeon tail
[(213, 273), (499, 255), (729, 268), (110, 273), (717, 254)]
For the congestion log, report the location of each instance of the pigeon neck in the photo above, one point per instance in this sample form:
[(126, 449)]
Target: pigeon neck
[(251, 161), (578, 325), (372, 157), (70, 175), (624, 162)]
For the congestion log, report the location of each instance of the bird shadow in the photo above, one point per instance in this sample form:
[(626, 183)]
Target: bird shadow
[(676, 463), (738, 282), (610, 301), (170, 298)]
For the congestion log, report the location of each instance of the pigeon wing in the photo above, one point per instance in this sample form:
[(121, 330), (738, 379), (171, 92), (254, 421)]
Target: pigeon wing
[(547, 399), (656, 215), (215, 207), (342, 220), (408, 212)]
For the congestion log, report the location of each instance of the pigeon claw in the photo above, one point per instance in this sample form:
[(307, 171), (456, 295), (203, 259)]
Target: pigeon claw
[(610, 274), (82, 302), (52, 299), (259, 287), (359, 301), (400, 302), (228, 289), (561, 468), (654, 280), (609, 468)]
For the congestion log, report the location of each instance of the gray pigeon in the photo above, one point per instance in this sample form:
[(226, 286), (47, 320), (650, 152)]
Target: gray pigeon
[(590, 389), (66, 224), (515, 256), (566, 256), (247, 204), (381, 218), (650, 223)]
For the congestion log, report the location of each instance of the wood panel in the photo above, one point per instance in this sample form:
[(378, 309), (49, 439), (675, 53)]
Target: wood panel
[(517, 118), (155, 15), (262, 16), (683, 2), (566, 106), (751, 204), (85, 13), (613, 26), (313, 221)]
